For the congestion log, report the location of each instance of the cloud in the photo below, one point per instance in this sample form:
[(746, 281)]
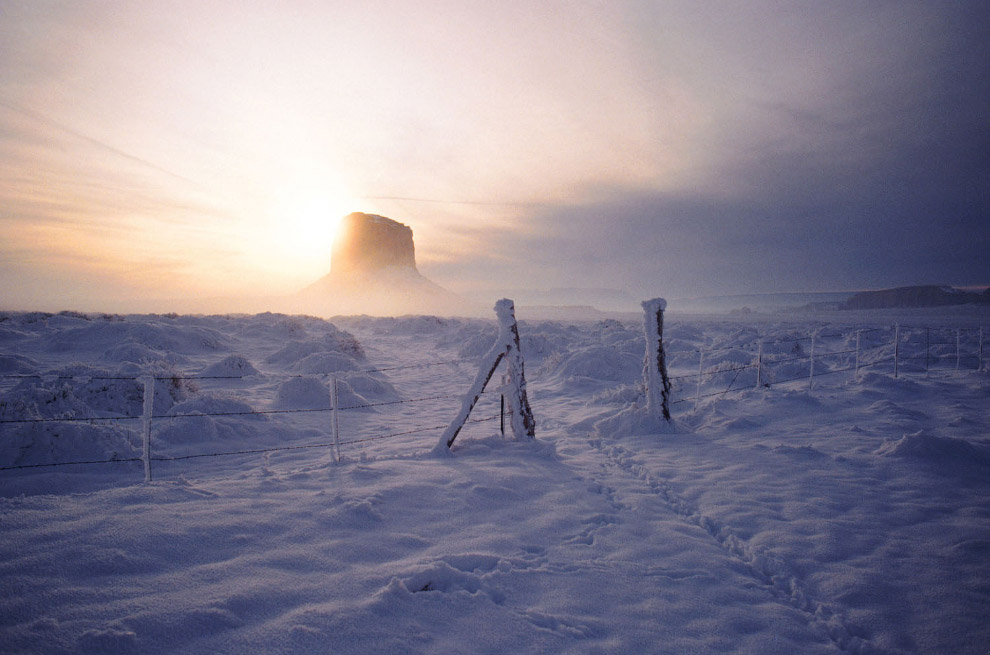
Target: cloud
[(640, 144)]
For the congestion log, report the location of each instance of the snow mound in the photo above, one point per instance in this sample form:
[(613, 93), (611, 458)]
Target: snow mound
[(934, 449), (633, 420), (82, 391), (216, 404), (149, 332), (138, 353), (370, 387), (232, 365), (295, 351), (206, 418), (17, 364), (600, 363), (417, 325), (45, 443), (464, 575), (324, 363), (303, 393)]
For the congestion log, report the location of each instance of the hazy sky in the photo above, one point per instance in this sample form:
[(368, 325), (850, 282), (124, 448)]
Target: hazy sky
[(204, 148)]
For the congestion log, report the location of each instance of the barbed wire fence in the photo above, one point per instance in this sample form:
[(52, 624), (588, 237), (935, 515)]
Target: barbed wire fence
[(721, 369), (493, 411), (766, 363)]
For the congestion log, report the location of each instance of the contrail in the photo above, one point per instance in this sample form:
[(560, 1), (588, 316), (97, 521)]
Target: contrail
[(96, 142)]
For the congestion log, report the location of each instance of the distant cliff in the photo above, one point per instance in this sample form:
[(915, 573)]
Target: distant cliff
[(366, 243), (920, 296)]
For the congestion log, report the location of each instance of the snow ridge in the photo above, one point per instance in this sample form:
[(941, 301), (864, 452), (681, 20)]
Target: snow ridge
[(768, 568)]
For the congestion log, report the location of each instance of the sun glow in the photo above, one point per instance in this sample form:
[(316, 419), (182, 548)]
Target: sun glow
[(301, 222)]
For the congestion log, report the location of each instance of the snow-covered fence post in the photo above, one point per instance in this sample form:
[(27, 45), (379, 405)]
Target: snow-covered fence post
[(334, 424), (520, 413), (979, 357), (859, 333), (506, 345), (501, 415), (958, 339), (897, 347), (697, 393), (811, 374), (655, 366), (149, 406), (759, 366)]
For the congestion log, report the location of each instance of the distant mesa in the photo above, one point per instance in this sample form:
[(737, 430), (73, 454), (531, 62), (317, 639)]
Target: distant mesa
[(373, 271), (366, 243), (916, 296)]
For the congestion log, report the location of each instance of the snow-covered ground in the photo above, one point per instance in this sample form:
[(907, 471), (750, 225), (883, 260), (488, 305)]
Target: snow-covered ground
[(851, 516)]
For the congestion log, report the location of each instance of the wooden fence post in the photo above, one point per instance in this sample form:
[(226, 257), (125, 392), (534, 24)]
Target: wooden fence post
[(759, 366), (149, 407), (697, 394), (655, 366), (520, 413), (506, 345), (334, 424), (897, 347), (859, 333), (811, 374), (958, 339)]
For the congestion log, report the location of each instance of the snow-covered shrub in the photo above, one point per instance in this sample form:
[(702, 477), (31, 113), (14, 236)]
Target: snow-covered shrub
[(302, 393), (17, 364), (233, 366), (370, 386), (598, 363), (324, 363), (295, 351), (48, 443)]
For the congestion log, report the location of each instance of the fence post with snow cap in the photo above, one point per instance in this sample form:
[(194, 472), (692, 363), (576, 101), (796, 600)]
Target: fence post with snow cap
[(506, 346), (811, 374), (897, 347), (859, 334), (655, 366), (958, 351), (334, 422), (149, 406), (759, 365), (701, 361)]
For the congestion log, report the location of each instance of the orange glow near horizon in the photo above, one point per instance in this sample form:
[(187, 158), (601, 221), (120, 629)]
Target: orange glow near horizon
[(301, 224)]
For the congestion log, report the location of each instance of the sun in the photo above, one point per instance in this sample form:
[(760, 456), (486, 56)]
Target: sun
[(302, 222)]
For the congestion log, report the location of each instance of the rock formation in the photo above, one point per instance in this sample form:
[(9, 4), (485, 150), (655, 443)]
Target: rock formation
[(366, 243), (373, 271)]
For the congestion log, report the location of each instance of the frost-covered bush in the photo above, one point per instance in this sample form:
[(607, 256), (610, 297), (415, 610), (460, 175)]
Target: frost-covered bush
[(49, 443), (372, 387), (338, 342), (303, 393), (80, 391), (164, 337), (599, 363), (17, 364), (231, 365), (324, 363)]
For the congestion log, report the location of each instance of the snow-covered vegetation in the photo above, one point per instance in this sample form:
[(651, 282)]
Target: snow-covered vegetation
[(850, 516)]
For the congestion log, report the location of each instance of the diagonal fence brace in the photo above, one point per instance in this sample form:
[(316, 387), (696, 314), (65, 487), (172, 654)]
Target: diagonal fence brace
[(506, 346)]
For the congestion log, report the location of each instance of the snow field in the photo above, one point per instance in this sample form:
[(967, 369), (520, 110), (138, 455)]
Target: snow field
[(848, 518)]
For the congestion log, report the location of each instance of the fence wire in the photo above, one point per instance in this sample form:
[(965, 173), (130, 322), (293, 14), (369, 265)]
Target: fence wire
[(764, 364), (258, 412)]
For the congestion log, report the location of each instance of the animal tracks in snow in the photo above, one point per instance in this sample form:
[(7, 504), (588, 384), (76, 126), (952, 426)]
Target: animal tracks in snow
[(767, 568)]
